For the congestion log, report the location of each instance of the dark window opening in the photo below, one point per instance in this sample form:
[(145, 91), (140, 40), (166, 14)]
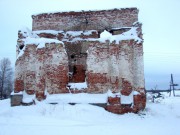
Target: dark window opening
[(72, 56), (99, 34), (111, 31), (21, 47), (117, 31), (74, 70)]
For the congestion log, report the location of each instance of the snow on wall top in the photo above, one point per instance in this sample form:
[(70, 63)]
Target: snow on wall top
[(131, 34), (48, 31), (29, 37), (70, 33), (26, 32), (105, 35), (78, 85), (40, 42)]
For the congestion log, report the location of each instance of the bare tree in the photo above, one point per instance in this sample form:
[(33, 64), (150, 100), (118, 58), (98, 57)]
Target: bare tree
[(6, 84)]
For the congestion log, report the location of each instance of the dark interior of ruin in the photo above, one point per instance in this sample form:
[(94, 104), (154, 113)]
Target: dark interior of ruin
[(77, 56)]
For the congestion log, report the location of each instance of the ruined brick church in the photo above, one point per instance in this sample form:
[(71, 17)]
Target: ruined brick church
[(102, 50)]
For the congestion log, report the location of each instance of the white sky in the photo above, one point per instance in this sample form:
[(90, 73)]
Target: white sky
[(161, 29)]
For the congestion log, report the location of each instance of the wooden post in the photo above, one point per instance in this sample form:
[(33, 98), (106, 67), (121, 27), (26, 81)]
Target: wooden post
[(170, 88), (172, 84)]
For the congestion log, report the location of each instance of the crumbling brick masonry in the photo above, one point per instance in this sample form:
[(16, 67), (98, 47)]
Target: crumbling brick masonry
[(102, 48)]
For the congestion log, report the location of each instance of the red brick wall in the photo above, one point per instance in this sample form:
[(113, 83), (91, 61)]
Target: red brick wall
[(76, 20), (78, 74), (40, 69)]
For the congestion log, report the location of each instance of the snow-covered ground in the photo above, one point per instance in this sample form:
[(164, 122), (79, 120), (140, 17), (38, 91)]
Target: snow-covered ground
[(159, 118)]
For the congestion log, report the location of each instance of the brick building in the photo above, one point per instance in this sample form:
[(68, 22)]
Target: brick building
[(101, 49)]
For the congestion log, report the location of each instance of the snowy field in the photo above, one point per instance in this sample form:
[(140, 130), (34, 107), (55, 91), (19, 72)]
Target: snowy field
[(159, 118)]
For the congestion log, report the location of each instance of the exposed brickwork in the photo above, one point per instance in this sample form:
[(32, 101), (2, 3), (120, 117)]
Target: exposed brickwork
[(119, 109), (77, 20), (97, 78), (40, 95), (126, 88), (19, 85), (97, 82), (104, 65), (139, 102), (44, 69), (114, 100), (48, 35), (115, 106), (78, 74), (108, 58), (60, 35), (56, 79)]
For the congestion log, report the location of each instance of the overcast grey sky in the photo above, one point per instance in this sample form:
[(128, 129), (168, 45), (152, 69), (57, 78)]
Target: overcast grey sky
[(161, 29)]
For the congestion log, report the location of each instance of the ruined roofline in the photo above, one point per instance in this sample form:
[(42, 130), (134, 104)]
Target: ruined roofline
[(84, 11), (86, 20)]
